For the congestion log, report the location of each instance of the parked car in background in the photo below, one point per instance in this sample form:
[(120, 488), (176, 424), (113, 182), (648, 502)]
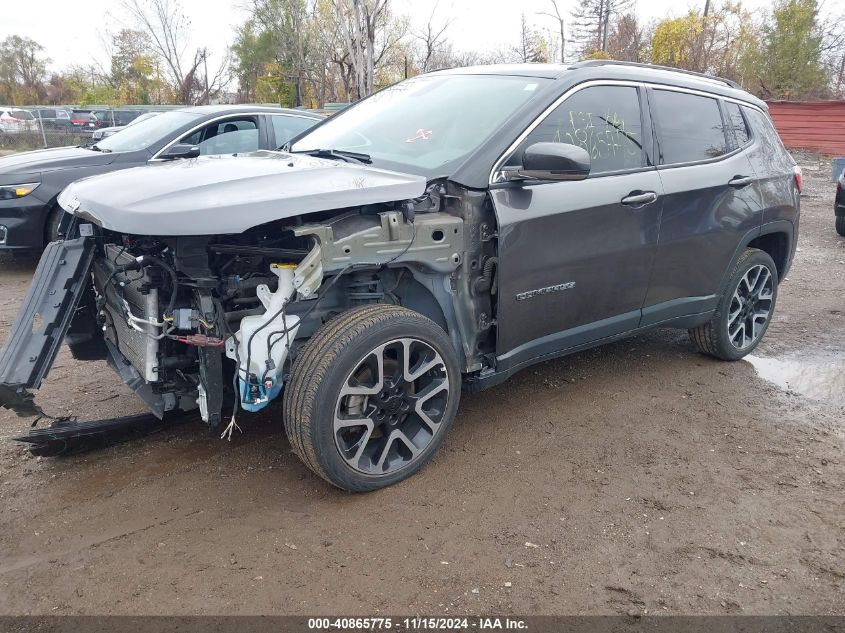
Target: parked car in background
[(410, 246), (31, 181), (114, 118), (52, 118), (105, 132), (839, 204), (83, 120), (16, 120)]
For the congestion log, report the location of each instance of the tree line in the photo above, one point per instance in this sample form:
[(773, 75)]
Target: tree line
[(311, 52)]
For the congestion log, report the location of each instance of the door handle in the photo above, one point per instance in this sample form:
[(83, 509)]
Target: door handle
[(740, 181), (636, 199)]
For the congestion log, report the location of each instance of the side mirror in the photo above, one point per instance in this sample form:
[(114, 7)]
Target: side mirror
[(181, 150), (552, 161)]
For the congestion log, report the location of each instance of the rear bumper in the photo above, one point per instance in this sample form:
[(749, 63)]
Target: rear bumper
[(22, 224)]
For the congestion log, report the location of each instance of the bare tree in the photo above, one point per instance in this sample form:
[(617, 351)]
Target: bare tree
[(433, 43), (627, 39), (558, 16), (168, 29), (531, 48), (359, 22), (590, 23)]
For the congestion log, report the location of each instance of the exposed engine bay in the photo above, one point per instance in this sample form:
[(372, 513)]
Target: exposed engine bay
[(212, 321)]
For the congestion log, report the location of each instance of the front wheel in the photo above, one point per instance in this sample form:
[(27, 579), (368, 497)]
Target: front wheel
[(840, 225), (371, 396), (51, 227), (744, 311)]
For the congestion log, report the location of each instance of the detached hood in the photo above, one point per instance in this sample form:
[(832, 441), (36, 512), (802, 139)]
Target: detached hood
[(51, 160), (215, 195)]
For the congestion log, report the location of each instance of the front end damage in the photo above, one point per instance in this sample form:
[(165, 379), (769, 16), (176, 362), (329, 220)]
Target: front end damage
[(209, 322)]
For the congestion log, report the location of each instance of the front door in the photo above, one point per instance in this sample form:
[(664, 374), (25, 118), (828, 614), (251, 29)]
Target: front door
[(575, 257)]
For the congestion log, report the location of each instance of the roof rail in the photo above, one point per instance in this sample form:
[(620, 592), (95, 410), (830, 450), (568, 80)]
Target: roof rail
[(613, 62)]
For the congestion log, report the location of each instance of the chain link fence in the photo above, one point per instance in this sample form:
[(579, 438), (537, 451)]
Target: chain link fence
[(25, 141)]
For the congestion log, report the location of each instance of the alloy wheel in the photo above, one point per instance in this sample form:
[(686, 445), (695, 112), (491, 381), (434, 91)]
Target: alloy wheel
[(391, 406), (751, 307)]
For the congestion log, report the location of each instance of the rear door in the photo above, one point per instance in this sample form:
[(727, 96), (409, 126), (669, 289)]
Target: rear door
[(711, 202), (575, 257)]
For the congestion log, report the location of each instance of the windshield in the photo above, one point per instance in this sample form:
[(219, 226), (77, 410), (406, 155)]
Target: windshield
[(426, 123), (142, 117), (145, 133)]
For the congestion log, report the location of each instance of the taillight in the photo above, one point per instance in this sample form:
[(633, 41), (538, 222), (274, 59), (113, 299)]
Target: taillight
[(796, 171), (77, 121)]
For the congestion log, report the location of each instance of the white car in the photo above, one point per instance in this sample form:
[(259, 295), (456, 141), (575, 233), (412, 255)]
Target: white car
[(15, 120)]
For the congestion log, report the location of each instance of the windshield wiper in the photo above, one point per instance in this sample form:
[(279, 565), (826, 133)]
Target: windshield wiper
[(338, 153), (94, 147)]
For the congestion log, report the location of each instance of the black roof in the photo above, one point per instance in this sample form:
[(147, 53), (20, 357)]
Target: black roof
[(611, 69), (235, 109)]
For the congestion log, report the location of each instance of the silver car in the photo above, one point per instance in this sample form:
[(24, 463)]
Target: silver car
[(15, 120)]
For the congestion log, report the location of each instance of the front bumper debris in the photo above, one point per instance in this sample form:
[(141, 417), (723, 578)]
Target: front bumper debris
[(62, 275)]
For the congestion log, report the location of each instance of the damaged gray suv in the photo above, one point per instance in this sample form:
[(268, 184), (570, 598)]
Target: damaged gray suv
[(439, 235)]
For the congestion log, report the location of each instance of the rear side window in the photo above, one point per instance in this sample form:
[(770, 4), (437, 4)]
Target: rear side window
[(689, 127), (604, 120), (763, 125), (23, 115), (736, 124)]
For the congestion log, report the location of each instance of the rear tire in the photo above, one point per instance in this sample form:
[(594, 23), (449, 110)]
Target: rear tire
[(744, 311), (371, 396), (840, 225)]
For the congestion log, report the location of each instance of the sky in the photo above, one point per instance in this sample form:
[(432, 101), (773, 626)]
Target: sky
[(73, 35)]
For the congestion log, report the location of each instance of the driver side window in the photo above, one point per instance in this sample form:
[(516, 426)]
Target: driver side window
[(604, 120), (230, 136)]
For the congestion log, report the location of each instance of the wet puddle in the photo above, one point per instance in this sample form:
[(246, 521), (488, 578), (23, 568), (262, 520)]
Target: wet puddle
[(820, 378)]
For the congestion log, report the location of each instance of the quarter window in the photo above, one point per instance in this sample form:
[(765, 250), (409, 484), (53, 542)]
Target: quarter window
[(604, 120), (690, 127), (286, 127), (736, 124)]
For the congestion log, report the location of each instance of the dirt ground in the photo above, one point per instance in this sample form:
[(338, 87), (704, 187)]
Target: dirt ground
[(637, 477)]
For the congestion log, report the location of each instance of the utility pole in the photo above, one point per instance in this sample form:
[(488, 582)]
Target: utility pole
[(706, 8)]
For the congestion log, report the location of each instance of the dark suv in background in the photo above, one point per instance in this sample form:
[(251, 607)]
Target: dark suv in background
[(412, 245), (53, 118)]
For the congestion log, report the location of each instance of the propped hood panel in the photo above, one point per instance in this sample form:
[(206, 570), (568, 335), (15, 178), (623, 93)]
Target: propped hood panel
[(215, 195)]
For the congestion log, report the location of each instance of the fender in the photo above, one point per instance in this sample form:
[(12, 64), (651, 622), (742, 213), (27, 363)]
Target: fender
[(778, 226)]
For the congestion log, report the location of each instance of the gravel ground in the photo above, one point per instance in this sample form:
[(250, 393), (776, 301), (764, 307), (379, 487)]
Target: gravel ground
[(637, 477)]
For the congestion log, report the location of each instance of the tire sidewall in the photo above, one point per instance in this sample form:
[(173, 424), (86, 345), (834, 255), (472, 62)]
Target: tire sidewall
[(726, 348), (51, 228), (322, 428)]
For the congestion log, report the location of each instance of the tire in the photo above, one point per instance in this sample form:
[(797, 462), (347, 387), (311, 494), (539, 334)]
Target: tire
[(51, 227), (726, 335), (401, 429), (840, 225)]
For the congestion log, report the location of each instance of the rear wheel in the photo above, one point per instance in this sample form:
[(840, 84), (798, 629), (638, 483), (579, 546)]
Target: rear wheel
[(371, 396), (744, 311), (840, 225)]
